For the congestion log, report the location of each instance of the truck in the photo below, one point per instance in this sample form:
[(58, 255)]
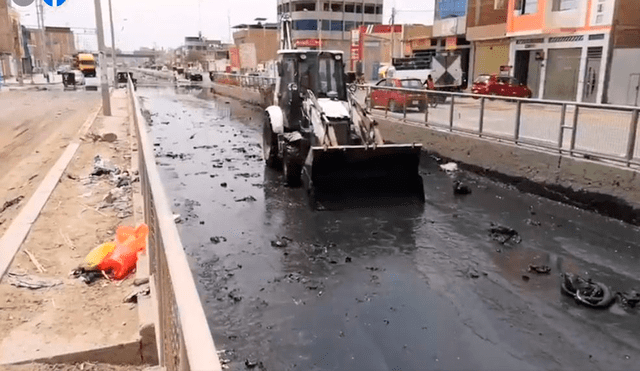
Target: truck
[(86, 63)]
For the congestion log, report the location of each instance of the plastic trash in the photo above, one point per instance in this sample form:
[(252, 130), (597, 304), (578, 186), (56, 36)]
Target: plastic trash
[(98, 254), (122, 260)]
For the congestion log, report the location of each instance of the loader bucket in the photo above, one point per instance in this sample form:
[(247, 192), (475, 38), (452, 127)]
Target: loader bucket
[(388, 167)]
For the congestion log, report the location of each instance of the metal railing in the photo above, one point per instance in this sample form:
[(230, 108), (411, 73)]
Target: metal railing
[(185, 341), (607, 132)]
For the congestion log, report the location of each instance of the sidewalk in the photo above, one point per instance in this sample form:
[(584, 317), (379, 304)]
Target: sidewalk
[(72, 321)]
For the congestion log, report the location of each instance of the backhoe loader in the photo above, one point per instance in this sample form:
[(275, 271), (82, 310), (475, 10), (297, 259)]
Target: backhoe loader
[(320, 136)]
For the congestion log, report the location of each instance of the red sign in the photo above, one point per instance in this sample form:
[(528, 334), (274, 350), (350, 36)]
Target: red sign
[(312, 43), (234, 55), (452, 43)]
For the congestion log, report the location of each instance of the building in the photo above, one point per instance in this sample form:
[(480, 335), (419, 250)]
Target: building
[(328, 24), (561, 48), (200, 53), (487, 32), (11, 49), (257, 44), (623, 75), (451, 49), (60, 47)]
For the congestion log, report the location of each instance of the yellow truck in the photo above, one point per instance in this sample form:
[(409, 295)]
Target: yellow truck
[(86, 63)]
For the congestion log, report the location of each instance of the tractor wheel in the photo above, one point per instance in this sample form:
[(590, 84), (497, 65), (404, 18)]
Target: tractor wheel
[(291, 167), (269, 144)]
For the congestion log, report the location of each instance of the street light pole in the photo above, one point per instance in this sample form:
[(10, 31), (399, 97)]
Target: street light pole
[(104, 84), (113, 46)]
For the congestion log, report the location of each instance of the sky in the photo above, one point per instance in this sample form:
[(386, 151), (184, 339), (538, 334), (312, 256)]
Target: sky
[(165, 23)]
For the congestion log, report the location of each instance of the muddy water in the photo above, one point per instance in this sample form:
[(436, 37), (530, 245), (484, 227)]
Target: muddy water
[(380, 285)]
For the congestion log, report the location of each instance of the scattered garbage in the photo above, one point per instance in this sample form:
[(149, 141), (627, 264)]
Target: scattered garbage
[(103, 167), (115, 258), (629, 300), (540, 269), (504, 234), (177, 219), (133, 297), (8, 204), (450, 167), (31, 282), (461, 189), (532, 222), (279, 243), (217, 239), (586, 292), (86, 275), (247, 199)]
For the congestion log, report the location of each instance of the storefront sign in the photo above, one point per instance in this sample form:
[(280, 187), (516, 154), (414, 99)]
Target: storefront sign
[(452, 43)]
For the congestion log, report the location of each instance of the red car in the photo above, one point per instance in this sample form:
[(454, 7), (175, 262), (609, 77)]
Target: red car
[(500, 85), (397, 100)]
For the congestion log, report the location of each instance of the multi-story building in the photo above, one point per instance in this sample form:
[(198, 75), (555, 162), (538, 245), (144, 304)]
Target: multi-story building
[(328, 23), (487, 30), (576, 50)]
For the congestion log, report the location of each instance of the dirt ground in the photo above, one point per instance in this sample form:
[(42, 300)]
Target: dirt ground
[(85, 366), (71, 316)]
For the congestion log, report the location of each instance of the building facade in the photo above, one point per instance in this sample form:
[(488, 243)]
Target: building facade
[(328, 24), (559, 48), (257, 43), (487, 32), (11, 43)]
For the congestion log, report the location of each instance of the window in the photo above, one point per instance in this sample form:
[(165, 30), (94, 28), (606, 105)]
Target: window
[(328, 25), (526, 6), (358, 8), (336, 7), (562, 5), (370, 9), (349, 8), (325, 7), (350, 25), (279, 9), (378, 9), (300, 7), (306, 25), (286, 8)]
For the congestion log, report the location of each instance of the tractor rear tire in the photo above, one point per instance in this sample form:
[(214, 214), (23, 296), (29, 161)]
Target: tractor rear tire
[(269, 144)]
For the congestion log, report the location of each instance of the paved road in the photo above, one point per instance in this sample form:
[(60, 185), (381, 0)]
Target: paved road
[(598, 130), (382, 284)]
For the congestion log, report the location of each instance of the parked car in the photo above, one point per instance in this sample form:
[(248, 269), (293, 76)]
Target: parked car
[(397, 100), (505, 86)]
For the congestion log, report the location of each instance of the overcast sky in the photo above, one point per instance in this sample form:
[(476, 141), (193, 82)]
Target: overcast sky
[(165, 23)]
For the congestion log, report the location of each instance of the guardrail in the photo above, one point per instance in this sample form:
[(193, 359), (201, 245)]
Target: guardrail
[(257, 82), (185, 341), (596, 131)]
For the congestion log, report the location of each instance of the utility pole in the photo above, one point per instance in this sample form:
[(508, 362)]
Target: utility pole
[(393, 27), (113, 46), (104, 84), (45, 46)]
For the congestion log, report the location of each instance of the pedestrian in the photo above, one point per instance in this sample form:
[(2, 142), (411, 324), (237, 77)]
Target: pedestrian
[(429, 83)]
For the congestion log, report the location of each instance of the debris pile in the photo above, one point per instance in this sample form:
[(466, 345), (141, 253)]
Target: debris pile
[(114, 259)]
